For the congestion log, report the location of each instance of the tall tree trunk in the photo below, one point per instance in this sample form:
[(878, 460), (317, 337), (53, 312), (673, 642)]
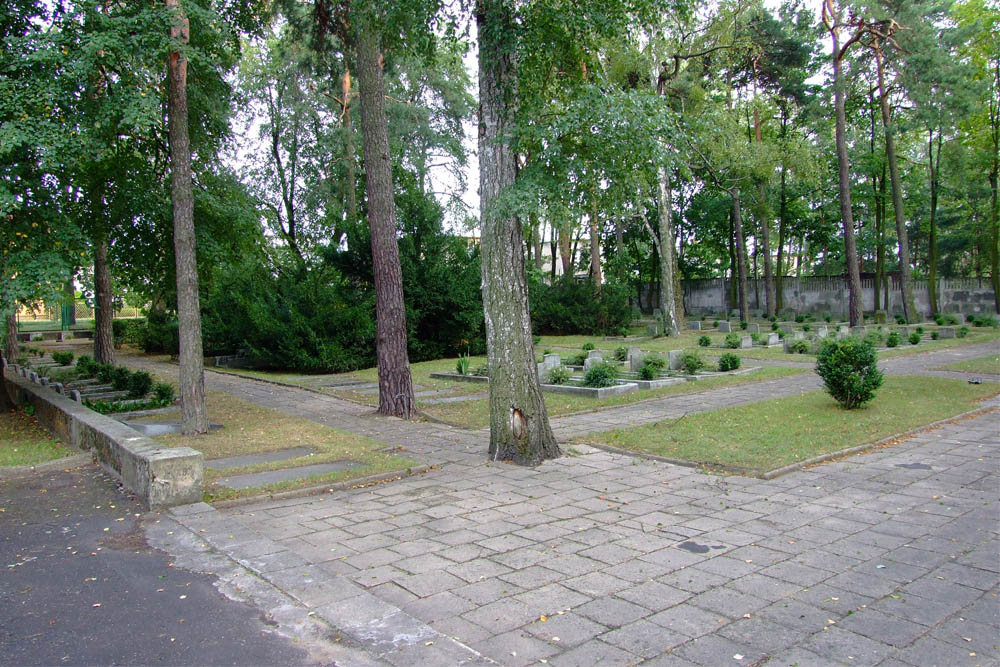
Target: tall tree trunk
[(565, 253), (733, 275), (350, 169), (664, 242), (855, 315), (10, 338), (905, 283), (192, 372), (519, 423), (104, 345), (395, 385), (553, 248), (537, 232), (764, 220), (994, 176), (933, 168), (741, 260), (595, 249), (779, 273)]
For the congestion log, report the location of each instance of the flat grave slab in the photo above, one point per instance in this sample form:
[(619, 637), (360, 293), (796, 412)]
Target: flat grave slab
[(274, 476), (253, 459)]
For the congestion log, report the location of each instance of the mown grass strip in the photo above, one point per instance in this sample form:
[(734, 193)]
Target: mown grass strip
[(23, 442), (770, 434)]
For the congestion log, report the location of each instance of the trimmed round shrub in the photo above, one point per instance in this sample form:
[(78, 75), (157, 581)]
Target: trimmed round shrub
[(577, 359), (729, 362), (970, 318), (799, 347), (86, 366), (559, 375), (743, 325), (935, 335), (849, 369), (599, 375), (63, 358), (587, 347), (920, 330), (704, 341), (914, 338), (715, 324), (120, 378), (800, 318), (774, 326), (164, 392), (733, 341), (900, 319), (938, 319), (104, 373), (692, 362), (806, 327), (139, 384), (828, 318), (962, 332), (652, 366), (892, 340)]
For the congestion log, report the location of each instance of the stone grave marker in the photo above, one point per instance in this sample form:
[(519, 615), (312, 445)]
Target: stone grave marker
[(695, 325), (753, 328), (773, 339), (746, 341), (635, 359), (593, 357), (651, 329), (859, 331), (725, 326), (676, 360), (946, 332), (822, 332), (552, 360)]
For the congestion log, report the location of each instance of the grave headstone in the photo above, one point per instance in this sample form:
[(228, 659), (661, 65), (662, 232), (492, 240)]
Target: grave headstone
[(33, 376), (676, 360), (734, 313), (635, 359), (946, 332), (657, 313), (746, 341), (75, 395), (773, 339), (753, 328), (725, 326), (592, 359), (799, 335), (859, 331), (822, 332), (44, 381), (695, 325), (57, 387), (904, 332), (842, 329), (651, 329), (543, 371), (595, 354), (551, 360)]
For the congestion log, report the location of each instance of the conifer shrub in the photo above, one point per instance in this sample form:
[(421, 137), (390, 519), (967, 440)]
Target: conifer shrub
[(729, 362), (849, 369), (599, 375)]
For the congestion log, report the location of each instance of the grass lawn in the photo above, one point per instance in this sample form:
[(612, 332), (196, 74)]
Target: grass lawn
[(990, 364), (249, 428), (770, 434), (23, 442)]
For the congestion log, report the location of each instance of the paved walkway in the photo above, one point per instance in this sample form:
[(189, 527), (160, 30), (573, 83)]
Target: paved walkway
[(890, 558)]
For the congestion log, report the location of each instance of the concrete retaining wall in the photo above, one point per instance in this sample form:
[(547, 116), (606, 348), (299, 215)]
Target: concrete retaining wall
[(160, 476)]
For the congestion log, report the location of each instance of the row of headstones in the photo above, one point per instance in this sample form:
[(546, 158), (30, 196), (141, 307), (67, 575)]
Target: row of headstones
[(636, 358), (57, 387)]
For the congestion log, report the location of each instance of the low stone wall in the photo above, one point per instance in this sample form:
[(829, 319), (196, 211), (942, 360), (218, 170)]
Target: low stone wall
[(160, 476)]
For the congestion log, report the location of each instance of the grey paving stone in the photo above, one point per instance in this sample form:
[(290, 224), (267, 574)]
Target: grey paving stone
[(551, 599), (565, 629), (428, 583), (654, 595), (503, 615), (645, 639), (800, 657), (715, 650), (845, 646), (689, 621), (594, 652), (612, 612), (798, 615), (515, 648), (597, 584), (882, 627)]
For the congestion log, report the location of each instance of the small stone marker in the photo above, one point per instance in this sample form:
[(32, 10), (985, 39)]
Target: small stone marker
[(842, 329), (725, 326), (595, 354), (543, 371), (822, 332), (33, 376), (798, 335), (651, 329), (904, 332), (859, 331), (593, 357), (44, 381), (946, 332), (676, 360), (746, 341), (695, 325), (753, 328), (635, 359), (552, 360), (734, 312), (75, 395), (57, 387), (773, 339)]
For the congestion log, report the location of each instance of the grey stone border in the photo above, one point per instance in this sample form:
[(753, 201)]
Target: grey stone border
[(159, 476), (798, 465)]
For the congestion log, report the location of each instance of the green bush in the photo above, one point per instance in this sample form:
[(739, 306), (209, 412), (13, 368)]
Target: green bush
[(621, 353), (799, 347), (800, 318), (587, 347), (121, 377), (970, 317), (733, 340), (938, 319), (652, 366), (935, 335), (577, 359), (951, 319), (985, 321), (163, 392), (775, 326), (602, 374), (546, 351), (160, 335), (806, 327), (86, 366), (462, 365), (704, 341), (914, 338), (715, 324), (63, 358), (692, 362), (104, 373), (920, 330), (729, 362), (570, 307), (849, 369), (139, 384), (559, 375), (480, 371), (129, 331), (743, 325), (892, 340), (962, 332), (900, 319), (827, 318)]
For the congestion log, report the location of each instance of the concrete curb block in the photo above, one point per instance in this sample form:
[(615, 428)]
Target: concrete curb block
[(159, 476), (318, 489), (792, 467), (17, 472)]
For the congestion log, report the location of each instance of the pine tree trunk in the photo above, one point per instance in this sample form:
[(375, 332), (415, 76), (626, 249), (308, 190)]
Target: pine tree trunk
[(905, 282), (192, 372), (10, 340), (733, 273), (741, 260), (350, 169), (665, 248), (932, 252), (855, 315), (519, 423), (765, 227), (595, 250), (779, 273), (565, 254), (395, 385), (104, 344)]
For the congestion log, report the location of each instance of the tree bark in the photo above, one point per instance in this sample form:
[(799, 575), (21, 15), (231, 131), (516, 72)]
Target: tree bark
[(104, 344), (192, 372), (10, 339), (565, 254), (994, 176), (395, 385), (905, 283), (519, 423), (765, 227), (595, 249), (350, 189), (855, 315), (665, 248), (741, 260), (933, 168)]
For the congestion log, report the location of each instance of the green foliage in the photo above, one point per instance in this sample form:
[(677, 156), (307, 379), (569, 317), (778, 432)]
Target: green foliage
[(920, 330), (800, 318), (587, 347), (729, 362), (892, 340), (577, 359), (732, 340), (692, 362), (849, 369), (914, 338), (139, 384), (129, 332), (621, 354), (462, 365), (602, 374), (986, 321), (743, 325), (104, 373), (775, 326), (569, 307), (121, 378), (652, 367), (63, 358), (86, 366), (938, 319), (559, 375), (900, 320), (163, 392), (799, 347), (962, 332), (480, 371), (807, 327), (935, 335), (951, 319), (704, 341)]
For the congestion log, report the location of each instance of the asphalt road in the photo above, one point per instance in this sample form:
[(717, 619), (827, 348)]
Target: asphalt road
[(80, 586)]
